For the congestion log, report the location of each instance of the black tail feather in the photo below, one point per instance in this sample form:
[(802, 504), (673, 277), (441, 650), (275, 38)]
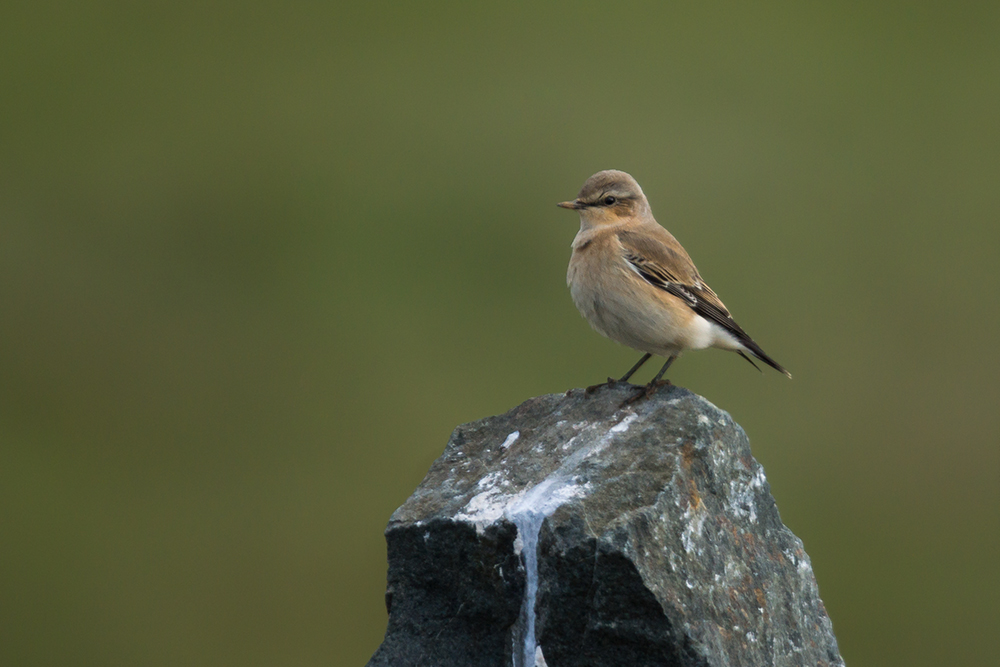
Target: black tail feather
[(749, 360), (755, 350)]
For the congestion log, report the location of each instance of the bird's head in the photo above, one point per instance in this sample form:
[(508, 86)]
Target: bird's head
[(607, 198)]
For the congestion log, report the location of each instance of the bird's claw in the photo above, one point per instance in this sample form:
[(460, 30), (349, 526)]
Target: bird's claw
[(646, 391), (594, 387)]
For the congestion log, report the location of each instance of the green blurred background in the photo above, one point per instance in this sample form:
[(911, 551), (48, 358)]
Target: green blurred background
[(259, 259)]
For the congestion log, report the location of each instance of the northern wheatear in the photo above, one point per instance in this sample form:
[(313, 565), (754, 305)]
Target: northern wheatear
[(635, 284)]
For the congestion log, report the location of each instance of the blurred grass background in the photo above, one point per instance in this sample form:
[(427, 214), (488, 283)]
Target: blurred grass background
[(257, 260)]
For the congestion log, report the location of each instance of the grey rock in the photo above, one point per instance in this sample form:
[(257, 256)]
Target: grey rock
[(608, 535)]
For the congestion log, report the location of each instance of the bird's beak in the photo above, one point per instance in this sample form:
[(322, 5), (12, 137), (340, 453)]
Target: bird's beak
[(575, 204)]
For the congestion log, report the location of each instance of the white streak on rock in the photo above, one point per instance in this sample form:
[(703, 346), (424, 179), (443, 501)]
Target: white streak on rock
[(484, 508), (528, 511), (510, 439), (623, 425)]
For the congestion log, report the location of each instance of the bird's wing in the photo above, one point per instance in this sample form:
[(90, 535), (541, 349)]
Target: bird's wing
[(661, 261)]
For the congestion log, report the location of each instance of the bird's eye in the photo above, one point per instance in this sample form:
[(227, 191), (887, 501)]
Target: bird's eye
[(610, 200)]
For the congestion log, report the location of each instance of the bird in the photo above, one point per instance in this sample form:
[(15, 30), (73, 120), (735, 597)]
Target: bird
[(635, 284)]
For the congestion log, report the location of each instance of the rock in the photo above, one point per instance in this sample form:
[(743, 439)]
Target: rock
[(574, 531)]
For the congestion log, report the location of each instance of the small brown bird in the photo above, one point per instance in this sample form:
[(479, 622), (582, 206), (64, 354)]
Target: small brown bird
[(635, 284)]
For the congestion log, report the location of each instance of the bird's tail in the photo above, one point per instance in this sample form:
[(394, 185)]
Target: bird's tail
[(754, 349)]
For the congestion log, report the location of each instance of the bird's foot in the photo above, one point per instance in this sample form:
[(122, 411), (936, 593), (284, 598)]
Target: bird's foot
[(646, 391), (594, 387)]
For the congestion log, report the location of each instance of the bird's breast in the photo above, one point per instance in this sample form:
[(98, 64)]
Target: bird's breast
[(622, 306)]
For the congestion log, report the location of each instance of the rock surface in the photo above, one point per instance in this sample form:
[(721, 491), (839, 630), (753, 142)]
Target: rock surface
[(574, 531)]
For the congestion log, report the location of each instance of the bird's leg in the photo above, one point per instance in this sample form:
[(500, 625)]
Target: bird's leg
[(594, 387), (632, 370), (663, 370), (654, 383)]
